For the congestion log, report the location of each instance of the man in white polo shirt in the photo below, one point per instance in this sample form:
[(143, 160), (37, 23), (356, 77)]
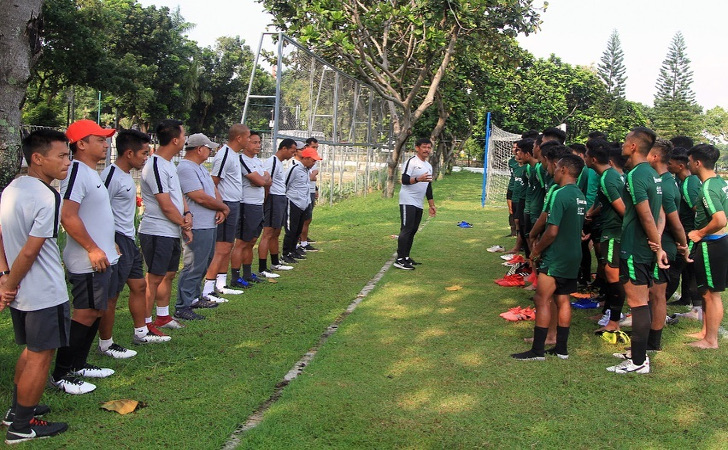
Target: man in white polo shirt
[(274, 208), (416, 184), (208, 211), (229, 181), (255, 181), (165, 216), (90, 254)]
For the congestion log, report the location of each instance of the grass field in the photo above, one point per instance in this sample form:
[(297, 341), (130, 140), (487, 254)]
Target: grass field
[(415, 366)]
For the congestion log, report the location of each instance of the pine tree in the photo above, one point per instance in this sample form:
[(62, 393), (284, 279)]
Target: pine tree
[(611, 68), (676, 111)]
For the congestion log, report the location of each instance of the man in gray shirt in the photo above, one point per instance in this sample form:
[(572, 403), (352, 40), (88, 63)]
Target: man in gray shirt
[(208, 210), (299, 198)]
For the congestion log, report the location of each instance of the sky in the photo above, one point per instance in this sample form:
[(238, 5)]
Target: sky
[(577, 31)]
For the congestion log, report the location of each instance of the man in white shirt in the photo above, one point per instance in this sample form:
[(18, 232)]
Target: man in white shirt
[(299, 199), (416, 183), (90, 254), (313, 172)]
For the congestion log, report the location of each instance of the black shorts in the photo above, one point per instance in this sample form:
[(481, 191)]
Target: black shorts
[(274, 211), (129, 265), (639, 274), (313, 200), (518, 210), (227, 228), (661, 276), (711, 268), (44, 329), (307, 213), (91, 290), (527, 223), (564, 286), (609, 253), (161, 253), (251, 222), (509, 194)]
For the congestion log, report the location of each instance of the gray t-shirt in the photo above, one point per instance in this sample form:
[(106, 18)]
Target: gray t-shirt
[(252, 195), (194, 177), (84, 186), (29, 207), (159, 176), (297, 185), (412, 194), (226, 166), (274, 167), (312, 183), (122, 193)]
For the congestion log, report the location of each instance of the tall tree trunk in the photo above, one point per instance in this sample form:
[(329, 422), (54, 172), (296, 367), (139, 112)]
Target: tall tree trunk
[(438, 145), (402, 132), (19, 48)]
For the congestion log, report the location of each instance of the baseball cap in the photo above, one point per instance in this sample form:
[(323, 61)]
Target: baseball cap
[(84, 127), (300, 145), (198, 140), (310, 153)]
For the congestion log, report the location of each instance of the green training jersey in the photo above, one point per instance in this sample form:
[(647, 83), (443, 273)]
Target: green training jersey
[(519, 185), (528, 196), (611, 184), (689, 191), (713, 197), (537, 190), (670, 203), (512, 164), (567, 207), (588, 182), (642, 184)]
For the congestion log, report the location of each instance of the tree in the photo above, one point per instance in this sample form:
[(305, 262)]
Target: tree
[(676, 112), (611, 68), (19, 49), (401, 48)]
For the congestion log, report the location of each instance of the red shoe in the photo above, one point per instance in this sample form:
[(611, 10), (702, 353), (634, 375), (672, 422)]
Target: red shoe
[(513, 312), (154, 330), (528, 314), (515, 281), (167, 322), (517, 259)]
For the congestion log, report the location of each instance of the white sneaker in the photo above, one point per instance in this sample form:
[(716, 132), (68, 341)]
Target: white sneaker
[(281, 267), (495, 249), (605, 318), (91, 371), (626, 322), (214, 298), (116, 351), (627, 366), (229, 291), (508, 256), (627, 354), (71, 385), (151, 338), (266, 274)]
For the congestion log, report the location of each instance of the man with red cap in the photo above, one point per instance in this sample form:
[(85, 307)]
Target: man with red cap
[(90, 254), (298, 193)]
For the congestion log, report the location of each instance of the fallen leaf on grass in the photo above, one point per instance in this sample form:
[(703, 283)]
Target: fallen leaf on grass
[(454, 287), (272, 280), (123, 406)]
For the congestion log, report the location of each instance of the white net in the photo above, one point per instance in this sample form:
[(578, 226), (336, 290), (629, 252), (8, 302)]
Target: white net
[(497, 175)]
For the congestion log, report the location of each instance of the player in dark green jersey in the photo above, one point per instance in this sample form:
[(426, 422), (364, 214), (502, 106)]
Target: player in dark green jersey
[(710, 241), (689, 186), (559, 260), (642, 198), (610, 209), (673, 238)]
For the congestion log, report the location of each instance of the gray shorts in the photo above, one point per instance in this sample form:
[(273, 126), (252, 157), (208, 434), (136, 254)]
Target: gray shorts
[(251, 221), (44, 329), (275, 211), (129, 265), (161, 253), (226, 230), (91, 290)]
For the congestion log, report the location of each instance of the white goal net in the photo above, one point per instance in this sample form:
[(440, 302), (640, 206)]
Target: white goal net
[(498, 151)]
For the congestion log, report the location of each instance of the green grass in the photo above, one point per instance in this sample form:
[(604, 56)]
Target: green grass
[(415, 366)]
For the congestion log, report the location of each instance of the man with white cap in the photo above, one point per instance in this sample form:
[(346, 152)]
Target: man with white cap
[(208, 210), (90, 253)]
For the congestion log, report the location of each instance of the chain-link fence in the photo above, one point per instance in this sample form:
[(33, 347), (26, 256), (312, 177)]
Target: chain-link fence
[(315, 99)]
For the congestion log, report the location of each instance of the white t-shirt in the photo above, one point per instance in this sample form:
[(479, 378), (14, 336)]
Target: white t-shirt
[(84, 186), (122, 193), (252, 195), (274, 167), (160, 176), (312, 183), (412, 194), (194, 177), (297, 185), (29, 207), (226, 166)]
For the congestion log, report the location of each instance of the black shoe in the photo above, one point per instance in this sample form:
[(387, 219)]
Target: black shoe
[(552, 351), (297, 255), (288, 259), (253, 278), (413, 262), (403, 264), (311, 241), (187, 314), (37, 429), (528, 356), (309, 248), (40, 411)]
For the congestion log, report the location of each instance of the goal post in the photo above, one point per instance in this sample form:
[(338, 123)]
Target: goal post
[(496, 173)]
